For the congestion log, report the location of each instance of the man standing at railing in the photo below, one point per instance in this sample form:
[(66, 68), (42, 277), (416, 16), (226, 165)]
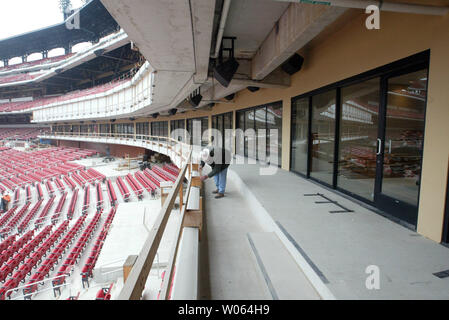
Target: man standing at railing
[(218, 159)]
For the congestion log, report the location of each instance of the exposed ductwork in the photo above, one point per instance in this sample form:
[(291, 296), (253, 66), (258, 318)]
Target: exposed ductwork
[(221, 28), (385, 6)]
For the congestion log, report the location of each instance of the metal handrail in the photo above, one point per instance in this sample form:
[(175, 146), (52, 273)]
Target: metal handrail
[(33, 283), (147, 139)]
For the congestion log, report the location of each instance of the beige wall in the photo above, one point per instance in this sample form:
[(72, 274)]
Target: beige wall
[(347, 49)]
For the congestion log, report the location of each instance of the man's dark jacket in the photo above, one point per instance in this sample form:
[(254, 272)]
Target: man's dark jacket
[(218, 166)]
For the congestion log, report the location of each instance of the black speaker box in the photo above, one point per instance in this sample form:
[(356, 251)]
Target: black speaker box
[(253, 89), (293, 65), (230, 97), (225, 72), (195, 100)]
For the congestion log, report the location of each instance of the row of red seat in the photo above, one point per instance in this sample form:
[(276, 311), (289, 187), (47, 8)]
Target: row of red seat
[(72, 205), (16, 78), (34, 254), (99, 192), (15, 106), (28, 194), (7, 242), (15, 247), (49, 187), (174, 170), (145, 182), (24, 224), (40, 194), (58, 210), (86, 201), (89, 265), (78, 179), (20, 133), (123, 189), (16, 197), (36, 62), (17, 218), (72, 258), (36, 257), (167, 176), (97, 175), (69, 182), (8, 215), (39, 221), (153, 177), (59, 185), (137, 189), (111, 193), (53, 258), (87, 178)]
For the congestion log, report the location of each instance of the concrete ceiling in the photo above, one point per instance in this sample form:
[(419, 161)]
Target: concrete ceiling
[(251, 21)]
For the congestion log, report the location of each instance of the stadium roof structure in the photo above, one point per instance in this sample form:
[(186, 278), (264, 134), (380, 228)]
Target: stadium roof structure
[(95, 23)]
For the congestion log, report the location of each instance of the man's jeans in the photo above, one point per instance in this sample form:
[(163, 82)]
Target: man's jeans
[(220, 180)]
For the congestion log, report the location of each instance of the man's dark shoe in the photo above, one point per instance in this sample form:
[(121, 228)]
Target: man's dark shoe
[(216, 191), (219, 195)]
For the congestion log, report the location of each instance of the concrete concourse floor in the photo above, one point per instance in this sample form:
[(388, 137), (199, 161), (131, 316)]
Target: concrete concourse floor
[(341, 246), (239, 260)]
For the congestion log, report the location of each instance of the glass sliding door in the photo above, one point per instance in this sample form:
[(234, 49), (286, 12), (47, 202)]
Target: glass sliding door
[(323, 136), (364, 136), (402, 144), (359, 125), (300, 135), (223, 122)]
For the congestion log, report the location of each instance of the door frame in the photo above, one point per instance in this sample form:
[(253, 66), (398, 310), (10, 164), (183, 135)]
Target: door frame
[(445, 236), (406, 212)]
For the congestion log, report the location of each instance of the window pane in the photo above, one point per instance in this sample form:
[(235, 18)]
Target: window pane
[(250, 142), (260, 121), (274, 122), (240, 128), (358, 138), (300, 132), (323, 136)]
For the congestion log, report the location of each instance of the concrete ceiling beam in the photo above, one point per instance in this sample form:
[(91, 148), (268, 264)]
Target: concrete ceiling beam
[(175, 37), (299, 24)]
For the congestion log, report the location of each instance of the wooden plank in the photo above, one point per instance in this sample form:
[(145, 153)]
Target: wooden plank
[(135, 284), (128, 265), (172, 259), (194, 201), (196, 182)]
